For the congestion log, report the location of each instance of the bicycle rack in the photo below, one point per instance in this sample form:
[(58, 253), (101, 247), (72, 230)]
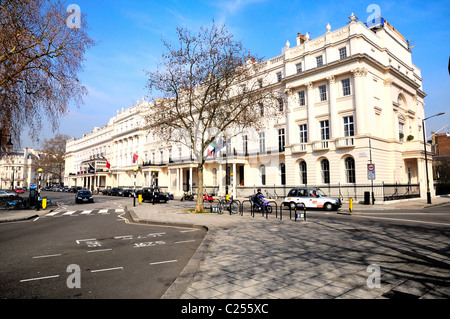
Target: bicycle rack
[(251, 208), (274, 205), (299, 206), (281, 211)]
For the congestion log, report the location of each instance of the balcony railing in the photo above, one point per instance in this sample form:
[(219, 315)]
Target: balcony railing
[(320, 145), (298, 148), (342, 142)]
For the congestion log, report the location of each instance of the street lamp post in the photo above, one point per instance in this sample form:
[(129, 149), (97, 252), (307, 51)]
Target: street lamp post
[(39, 188), (426, 158), (134, 195)]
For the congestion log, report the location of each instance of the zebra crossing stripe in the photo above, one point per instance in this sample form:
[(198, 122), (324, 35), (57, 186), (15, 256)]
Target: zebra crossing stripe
[(52, 213), (85, 212)]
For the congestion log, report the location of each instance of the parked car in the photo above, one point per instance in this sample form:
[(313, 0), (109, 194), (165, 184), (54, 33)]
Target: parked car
[(19, 190), (127, 192), (84, 196), (153, 195), (6, 194), (115, 191), (106, 191), (311, 198)]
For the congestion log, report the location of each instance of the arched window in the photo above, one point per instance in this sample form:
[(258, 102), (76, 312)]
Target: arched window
[(350, 170), (325, 170), (262, 175), (282, 171), (303, 175)]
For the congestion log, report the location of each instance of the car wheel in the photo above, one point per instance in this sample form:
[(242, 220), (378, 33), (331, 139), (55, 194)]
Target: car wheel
[(328, 206), (292, 205)]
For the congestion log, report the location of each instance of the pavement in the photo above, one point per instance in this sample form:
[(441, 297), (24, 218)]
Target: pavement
[(245, 257)]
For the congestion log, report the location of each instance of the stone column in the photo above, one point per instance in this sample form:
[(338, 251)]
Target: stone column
[(334, 123), (178, 180), (181, 180), (361, 126), (290, 121), (190, 179), (234, 180), (388, 114), (311, 115), (220, 177)]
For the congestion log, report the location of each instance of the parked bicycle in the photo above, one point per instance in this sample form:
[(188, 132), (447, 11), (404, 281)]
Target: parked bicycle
[(230, 205)]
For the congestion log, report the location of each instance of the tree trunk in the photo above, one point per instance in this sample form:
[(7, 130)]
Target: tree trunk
[(199, 205)]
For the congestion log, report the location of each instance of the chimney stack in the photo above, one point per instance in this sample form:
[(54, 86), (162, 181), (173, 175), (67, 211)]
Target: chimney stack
[(300, 39)]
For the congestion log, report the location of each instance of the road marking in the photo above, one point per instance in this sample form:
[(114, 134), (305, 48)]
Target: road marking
[(184, 241), (39, 278), (187, 231), (107, 269), (164, 262), (103, 211), (47, 256), (52, 214), (124, 237), (99, 250), (85, 212), (80, 240), (69, 213)]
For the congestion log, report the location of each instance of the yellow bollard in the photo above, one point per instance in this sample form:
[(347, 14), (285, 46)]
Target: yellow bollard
[(140, 198), (350, 206), (44, 203)]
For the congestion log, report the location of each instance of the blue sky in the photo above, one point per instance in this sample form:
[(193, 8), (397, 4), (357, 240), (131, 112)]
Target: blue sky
[(129, 37)]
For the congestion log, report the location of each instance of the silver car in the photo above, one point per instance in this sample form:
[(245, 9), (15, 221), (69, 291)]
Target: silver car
[(6, 194), (311, 198)]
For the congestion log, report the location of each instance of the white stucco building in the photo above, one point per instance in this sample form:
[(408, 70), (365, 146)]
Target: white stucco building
[(19, 168), (352, 96)]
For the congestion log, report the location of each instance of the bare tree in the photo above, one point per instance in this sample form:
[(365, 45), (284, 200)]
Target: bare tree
[(211, 86), (40, 57), (52, 158)]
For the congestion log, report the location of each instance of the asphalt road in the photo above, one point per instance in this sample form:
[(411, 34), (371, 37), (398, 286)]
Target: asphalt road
[(91, 251)]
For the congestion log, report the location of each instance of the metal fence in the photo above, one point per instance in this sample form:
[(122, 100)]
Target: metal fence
[(381, 191)]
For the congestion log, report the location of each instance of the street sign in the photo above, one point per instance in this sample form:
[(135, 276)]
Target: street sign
[(371, 171)]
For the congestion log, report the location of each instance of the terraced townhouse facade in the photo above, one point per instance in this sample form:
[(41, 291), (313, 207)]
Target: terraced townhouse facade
[(351, 97)]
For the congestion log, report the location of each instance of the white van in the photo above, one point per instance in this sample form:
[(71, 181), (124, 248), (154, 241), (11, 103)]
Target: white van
[(312, 198)]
